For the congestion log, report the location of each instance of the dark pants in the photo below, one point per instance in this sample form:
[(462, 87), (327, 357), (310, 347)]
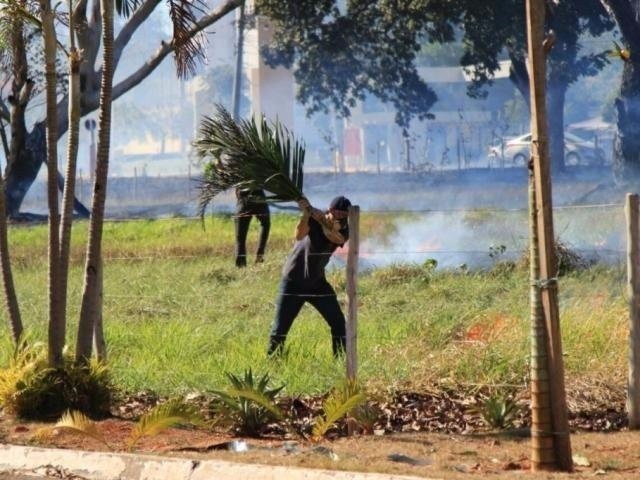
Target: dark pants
[(242, 221), (292, 297)]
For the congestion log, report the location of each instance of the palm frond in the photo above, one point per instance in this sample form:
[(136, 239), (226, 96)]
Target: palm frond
[(127, 7), (188, 47), (338, 404), (77, 422), (249, 155), (259, 398), (163, 416)]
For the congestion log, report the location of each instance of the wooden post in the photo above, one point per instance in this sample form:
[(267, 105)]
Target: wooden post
[(633, 288), (546, 241), (352, 293)]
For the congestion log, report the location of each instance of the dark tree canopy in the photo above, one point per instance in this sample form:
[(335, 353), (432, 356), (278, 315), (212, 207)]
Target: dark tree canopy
[(341, 55), (368, 47)]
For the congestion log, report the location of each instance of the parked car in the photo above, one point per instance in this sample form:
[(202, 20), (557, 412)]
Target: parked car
[(577, 151)]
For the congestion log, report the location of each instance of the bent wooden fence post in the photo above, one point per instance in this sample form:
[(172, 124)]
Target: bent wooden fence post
[(633, 288)]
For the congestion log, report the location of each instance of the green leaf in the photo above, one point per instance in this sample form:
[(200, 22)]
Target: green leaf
[(338, 404), (164, 416)]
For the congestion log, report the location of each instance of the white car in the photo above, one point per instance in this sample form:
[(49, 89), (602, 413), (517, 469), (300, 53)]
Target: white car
[(577, 151)]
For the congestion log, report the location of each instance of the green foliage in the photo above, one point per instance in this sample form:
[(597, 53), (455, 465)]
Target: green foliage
[(186, 314), (249, 404), (498, 411), (248, 156), (30, 389), (340, 402), (342, 55)]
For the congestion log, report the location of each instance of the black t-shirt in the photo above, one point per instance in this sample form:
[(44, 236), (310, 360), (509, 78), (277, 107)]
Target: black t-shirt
[(309, 257)]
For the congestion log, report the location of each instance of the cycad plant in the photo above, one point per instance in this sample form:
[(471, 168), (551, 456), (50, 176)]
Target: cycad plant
[(171, 413), (498, 411), (342, 400), (249, 404), (248, 155)]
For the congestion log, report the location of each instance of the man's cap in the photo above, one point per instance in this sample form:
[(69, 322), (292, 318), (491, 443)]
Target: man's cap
[(340, 203)]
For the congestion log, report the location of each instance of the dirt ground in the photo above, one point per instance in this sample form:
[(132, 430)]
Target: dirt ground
[(434, 455)]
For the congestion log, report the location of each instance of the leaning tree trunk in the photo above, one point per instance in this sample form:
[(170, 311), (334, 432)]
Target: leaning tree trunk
[(57, 328), (627, 143), (91, 307), (22, 171), (21, 92)]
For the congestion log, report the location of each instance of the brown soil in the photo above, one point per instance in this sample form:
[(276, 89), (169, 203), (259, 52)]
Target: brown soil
[(435, 455)]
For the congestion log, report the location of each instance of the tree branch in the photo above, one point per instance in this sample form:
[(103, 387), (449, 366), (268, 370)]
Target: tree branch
[(166, 48), (134, 21), (4, 111), (626, 18)]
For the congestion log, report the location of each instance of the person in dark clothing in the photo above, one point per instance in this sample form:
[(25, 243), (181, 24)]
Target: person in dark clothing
[(318, 234), (249, 205)]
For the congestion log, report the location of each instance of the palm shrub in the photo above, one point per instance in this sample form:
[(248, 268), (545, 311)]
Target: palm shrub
[(248, 405), (248, 155), (342, 401), (30, 389), (498, 411)]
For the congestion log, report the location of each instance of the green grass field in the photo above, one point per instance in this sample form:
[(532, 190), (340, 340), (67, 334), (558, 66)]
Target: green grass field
[(178, 314)]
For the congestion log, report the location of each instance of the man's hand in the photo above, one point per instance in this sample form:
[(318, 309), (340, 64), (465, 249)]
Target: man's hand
[(304, 205)]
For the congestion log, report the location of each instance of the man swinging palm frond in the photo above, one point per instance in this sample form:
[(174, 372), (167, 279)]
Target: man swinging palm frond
[(250, 156)]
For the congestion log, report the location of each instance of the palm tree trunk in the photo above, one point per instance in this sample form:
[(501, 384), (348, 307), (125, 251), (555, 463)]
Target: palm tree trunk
[(99, 342), (237, 76), (91, 307), (542, 456), (13, 309), (75, 59), (57, 328), (18, 130)]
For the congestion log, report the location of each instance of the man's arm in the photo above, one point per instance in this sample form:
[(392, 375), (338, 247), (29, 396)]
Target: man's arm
[(330, 229), (302, 228)]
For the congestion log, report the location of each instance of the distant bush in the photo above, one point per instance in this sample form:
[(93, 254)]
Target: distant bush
[(569, 260)]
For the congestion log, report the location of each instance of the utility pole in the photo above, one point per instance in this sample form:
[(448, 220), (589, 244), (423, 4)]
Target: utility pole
[(237, 78), (547, 283)]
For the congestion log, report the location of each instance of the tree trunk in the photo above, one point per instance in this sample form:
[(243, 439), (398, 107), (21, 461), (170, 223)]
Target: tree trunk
[(75, 59), (627, 144), (555, 110), (99, 342), (20, 92), (237, 77), (519, 76), (91, 308), (57, 327)]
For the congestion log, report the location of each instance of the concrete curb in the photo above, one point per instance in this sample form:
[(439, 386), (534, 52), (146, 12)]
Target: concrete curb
[(122, 466)]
